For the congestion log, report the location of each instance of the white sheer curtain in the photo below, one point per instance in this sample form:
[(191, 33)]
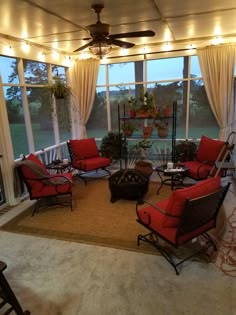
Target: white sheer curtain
[(217, 66), (6, 150), (83, 76)]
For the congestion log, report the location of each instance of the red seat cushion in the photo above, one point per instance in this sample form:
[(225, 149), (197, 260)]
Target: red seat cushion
[(154, 220), (84, 148), (197, 170), (91, 163), (209, 149), (178, 198), (40, 190)]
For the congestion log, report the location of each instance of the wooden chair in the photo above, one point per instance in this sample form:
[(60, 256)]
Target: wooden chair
[(85, 158), (46, 188), (187, 214), (9, 302)]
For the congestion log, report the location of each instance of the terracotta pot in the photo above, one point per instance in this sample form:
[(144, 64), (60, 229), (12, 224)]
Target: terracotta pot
[(167, 112), (142, 114), (132, 114), (128, 133), (144, 167), (162, 133), (147, 132)]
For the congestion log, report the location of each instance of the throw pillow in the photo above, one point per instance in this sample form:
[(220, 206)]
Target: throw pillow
[(209, 149), (84, 148)]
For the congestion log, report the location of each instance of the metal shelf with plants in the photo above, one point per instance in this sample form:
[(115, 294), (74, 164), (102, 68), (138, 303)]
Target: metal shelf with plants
[(149, 135)]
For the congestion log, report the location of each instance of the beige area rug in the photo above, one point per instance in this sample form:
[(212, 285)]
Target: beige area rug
[(94, 218)]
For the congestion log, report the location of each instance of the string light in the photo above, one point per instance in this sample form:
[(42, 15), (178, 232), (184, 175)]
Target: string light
[(124, 52), (41, 56), (85, 55), (167, 46), (25, 47), (217, 40), (144, 50), (55, 55)]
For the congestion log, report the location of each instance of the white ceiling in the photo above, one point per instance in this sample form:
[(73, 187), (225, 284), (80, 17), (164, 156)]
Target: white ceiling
[(61, 24)]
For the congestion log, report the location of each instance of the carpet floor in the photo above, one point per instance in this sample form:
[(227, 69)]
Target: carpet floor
[(94, 218)]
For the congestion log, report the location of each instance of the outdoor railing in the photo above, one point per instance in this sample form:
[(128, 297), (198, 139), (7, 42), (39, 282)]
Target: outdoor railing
[(158, 154)]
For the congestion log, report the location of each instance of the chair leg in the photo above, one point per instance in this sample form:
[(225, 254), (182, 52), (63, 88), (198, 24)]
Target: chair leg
[(210, 240), (39, 206), (152, 238), (8, 295)]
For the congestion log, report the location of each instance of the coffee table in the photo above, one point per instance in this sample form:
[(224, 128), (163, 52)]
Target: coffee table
[(59, 167), (173, 177)]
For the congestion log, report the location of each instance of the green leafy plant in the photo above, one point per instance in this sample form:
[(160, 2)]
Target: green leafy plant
[(161, 124), (186, 150), (147, 101), (113, 145), (132, 102), (129, 126), (59, 88)]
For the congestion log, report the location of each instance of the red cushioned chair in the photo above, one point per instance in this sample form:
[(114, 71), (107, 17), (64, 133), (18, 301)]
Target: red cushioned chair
[(210, 157), (85, 157), (209, 152), (185, 215), (43, 186)]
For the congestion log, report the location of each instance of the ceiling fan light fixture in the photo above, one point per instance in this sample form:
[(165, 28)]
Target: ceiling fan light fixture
[(100, 49)]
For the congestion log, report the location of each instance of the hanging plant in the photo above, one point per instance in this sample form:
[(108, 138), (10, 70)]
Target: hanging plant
[(59, 89)]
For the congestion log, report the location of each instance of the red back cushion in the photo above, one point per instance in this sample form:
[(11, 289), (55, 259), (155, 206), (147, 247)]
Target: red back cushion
[(84, 148), (27, 172), (178, 198), (209, 149)]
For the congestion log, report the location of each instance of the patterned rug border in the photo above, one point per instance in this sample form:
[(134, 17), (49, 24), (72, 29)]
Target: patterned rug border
[(13, 227)]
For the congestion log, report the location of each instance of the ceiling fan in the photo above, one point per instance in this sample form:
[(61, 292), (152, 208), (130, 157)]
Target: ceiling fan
[(102, 41)]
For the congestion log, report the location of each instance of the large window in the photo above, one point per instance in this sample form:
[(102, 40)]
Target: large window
[(30, 101), (169, 79), (16, 120)]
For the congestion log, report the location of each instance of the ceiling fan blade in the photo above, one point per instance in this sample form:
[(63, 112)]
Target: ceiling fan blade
[(85, 46), (147, 33), (119, 43)]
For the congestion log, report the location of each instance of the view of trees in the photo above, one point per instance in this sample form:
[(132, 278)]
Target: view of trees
[(165, 92)]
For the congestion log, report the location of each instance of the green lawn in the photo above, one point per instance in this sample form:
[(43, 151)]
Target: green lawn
[(45, 138)]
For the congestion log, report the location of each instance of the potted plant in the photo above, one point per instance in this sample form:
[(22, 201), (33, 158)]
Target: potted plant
[(132, 106), (148, 107), (128, 128), (147, 131), (113, 145), (186, 150), (167, 110), (59, 89), (139, 152), (162, 128)]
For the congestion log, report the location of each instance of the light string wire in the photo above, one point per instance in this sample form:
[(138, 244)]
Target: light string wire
[(224, 259)]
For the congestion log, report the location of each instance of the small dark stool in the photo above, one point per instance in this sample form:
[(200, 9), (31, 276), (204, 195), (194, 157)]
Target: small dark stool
[(128, 184), (7, 296)]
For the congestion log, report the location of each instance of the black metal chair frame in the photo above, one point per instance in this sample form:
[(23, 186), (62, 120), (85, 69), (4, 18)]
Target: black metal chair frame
[(196, 213), (82, 174), (224, 155), (52, 200), (7, 295)]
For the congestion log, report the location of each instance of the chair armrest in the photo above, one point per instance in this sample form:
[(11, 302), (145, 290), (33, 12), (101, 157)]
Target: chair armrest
[(48, 179), (155, 207), (199, 168)]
